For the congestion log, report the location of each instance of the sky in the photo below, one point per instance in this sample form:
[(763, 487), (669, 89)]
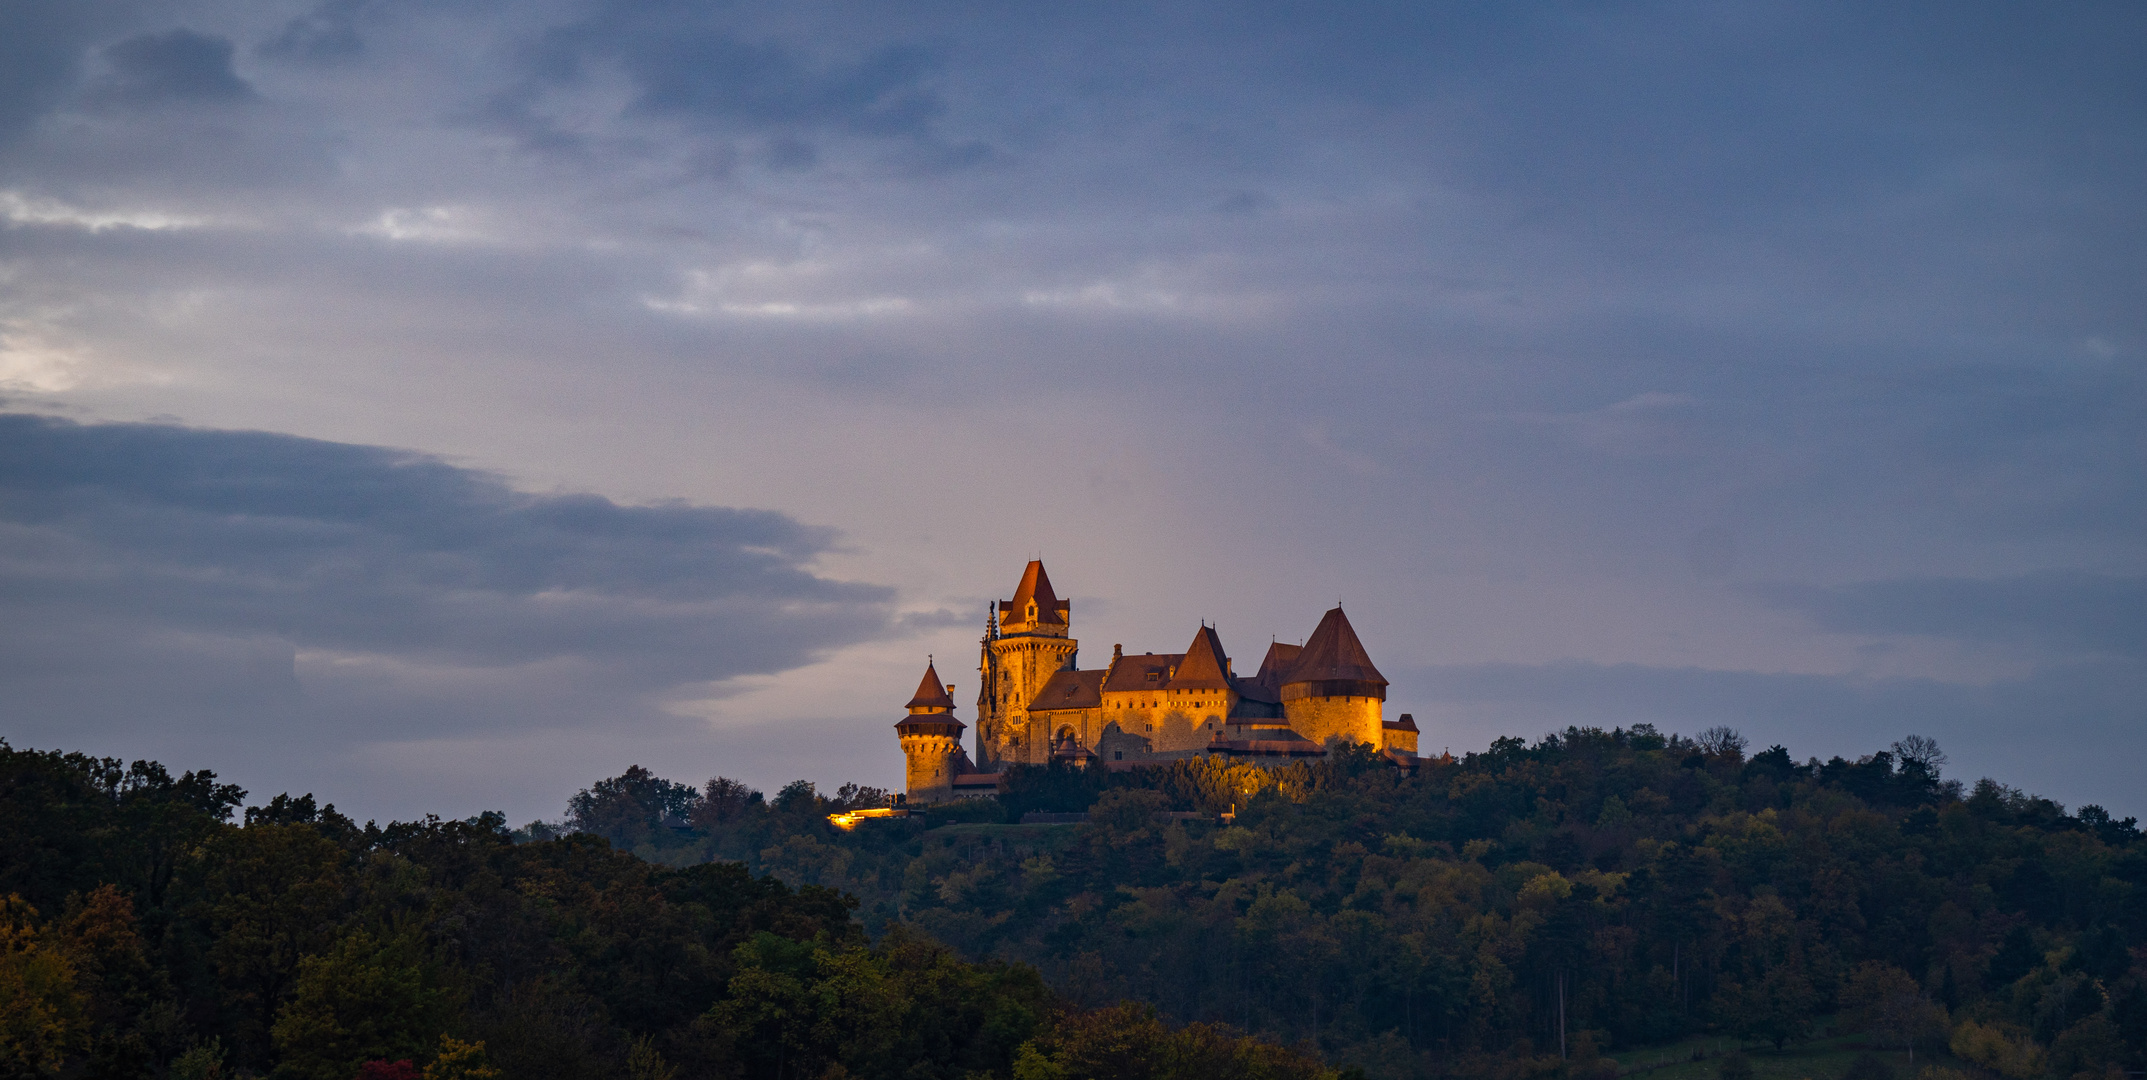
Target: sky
[(441, 406)]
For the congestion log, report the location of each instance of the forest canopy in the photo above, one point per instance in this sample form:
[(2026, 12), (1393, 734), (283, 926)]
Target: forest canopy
[(1646, 887), (1515, 913)]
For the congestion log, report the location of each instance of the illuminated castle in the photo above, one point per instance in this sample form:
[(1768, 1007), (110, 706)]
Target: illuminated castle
[(1035, 704)]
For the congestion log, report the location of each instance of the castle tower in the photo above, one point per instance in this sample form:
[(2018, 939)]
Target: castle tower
[(1332, 690), (1028, 640), (932, 741)]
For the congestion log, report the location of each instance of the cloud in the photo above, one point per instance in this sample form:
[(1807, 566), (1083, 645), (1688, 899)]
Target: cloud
[(1557, 326), (374, 551), (173, 66), (2054, 611), (710, 70), (327, 34), (17, 208), (249, 586), (42, 43), (31, 360)]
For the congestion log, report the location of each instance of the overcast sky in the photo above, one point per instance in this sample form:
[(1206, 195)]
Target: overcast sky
[(440, 406)]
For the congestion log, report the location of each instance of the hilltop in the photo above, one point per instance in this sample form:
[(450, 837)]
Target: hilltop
[(1649, 888)]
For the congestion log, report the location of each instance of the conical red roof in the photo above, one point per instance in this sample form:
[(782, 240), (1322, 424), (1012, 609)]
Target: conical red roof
[(1333, 654), (931, 693), (1035, 585), (1204, 666)]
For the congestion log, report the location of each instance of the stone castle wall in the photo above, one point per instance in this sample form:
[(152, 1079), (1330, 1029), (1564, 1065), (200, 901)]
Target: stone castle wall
[(931, 765), (1354, 719), (1025, 663)]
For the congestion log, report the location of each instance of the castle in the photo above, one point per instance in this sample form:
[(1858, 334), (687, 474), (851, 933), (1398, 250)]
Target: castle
[(1035, 704)]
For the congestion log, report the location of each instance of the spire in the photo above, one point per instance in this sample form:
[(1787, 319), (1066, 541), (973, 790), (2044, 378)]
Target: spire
[(1334, 654), (1035, 589), (1205, 667), (932, 694)]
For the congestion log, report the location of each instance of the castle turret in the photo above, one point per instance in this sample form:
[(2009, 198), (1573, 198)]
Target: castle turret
[(932, 741), (1029, 641), (1332, 690), (1035, 609)]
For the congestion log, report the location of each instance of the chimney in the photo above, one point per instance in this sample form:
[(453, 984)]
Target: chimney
[(950, 689)]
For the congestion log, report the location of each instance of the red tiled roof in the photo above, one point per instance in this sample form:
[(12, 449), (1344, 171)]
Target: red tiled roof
[(1130, 672), (1334, 654), (938, 723), (1203, 666), (1035, 585), (1276, 665), (1281, 743), (1070, 690), (1406, 723), (931, 693)]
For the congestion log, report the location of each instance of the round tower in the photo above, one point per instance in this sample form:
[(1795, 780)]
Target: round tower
[(1028, 641), (1333, 691), (931, 741)]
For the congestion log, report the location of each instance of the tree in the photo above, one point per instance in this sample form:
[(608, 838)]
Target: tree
[(1999, 1048), (1129, 1042), (644, 1063), (798, 796), (630, 807), (858, 797), (458, 1060), (1777, 1007), (1722, 742), (724, 800), (1886, 1001), (201, 1061), (264, 897), (2016, 956), (1921, 752), (367, 999), (41, 1014)]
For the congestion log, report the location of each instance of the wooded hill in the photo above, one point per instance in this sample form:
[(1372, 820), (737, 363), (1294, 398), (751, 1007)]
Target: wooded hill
[(1594, 890), (143, 934), (1510, 915)]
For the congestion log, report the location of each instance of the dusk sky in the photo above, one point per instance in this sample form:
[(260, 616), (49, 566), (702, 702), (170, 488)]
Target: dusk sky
[(441, 406)]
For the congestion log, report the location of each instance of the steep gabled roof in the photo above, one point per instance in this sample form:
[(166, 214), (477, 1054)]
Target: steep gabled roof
[(1205, 667), (1035, 585), (1275, 667), (1130, 672), (931, 693), (1334, 653), (1070, 690)]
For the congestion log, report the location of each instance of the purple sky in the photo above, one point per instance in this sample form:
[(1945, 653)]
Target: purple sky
[(441, 406)]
